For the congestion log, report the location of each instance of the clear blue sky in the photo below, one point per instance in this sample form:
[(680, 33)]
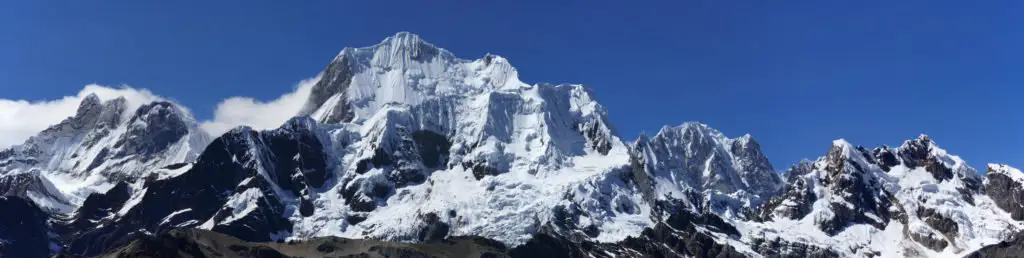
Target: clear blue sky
[(795, 74)]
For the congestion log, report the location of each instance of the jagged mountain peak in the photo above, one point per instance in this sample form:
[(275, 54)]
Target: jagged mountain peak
[(926, 201), (91, 113), (843, 154), (747, 139), (404, 141), (105, 142), (406, 40), (402, 40), (88, 103), (401, 50), (1005, 170), (921, 152), (697, 129), (797, 170), (1005, 185), (403, 69), (732, 174), (404, 120), (697, 132), (404, 36)]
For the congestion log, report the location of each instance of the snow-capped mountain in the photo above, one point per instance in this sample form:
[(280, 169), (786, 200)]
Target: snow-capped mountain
[(404, 141), (426, 136), (732, 175), (915, 200), (104, 143)]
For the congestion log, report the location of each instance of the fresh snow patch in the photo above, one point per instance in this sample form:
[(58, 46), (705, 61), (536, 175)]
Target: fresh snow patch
[(137, 197), (242, 204), (175, 213), (1003, 169)]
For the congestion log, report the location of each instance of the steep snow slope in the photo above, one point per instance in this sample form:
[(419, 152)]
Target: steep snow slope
[(411, 144), (243, 184), (105, 142), (427, 138), (732, 174), (404, 141), (246, 183)]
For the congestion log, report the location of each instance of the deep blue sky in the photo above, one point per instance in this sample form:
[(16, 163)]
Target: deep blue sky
[(795, 74)]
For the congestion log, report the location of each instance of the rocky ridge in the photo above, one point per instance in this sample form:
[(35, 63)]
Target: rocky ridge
[(403, 141)]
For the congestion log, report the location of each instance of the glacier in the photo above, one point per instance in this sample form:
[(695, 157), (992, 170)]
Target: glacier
[(404, 141)]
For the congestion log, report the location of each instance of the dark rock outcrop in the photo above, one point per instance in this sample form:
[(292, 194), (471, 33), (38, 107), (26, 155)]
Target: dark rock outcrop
[(795, 202), (203, 243), (334, 81), (677, 236), (403, 158), (1007, 193), (785, 249), (21, 185), (853, 182), (917, 153), (1013, 247), (225, 170), (885, 158), (23, 229), (598, 139), (948, 227), (433, 148), (94, 210), (931, 240), (433, 229), (151, 130)]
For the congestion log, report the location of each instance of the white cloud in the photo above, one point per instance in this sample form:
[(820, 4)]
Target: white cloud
[(236, 111), (21, 119)]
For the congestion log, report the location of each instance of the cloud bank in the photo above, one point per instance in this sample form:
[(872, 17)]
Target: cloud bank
[(237, 111), (21, 119)]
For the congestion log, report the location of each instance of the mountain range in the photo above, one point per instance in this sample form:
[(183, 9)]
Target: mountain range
[(403, 149)]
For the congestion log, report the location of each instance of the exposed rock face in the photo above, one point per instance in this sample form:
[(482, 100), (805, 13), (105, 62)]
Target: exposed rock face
[(795, 202), (1010, 248), (299, 160), (917, 193), (403, 141), (849, 181), (754, 167), (637, 174), (929, 239), (778, 247), (663, 241), (917, 153), (103, 144), (413, 130), (433, 228), (1005, 189), (23, 229), (82, 143), (33, 186), (402, 159), (677, 236), (95, 210), (948, 227), (202, 243), (732, 174), (333, 84), (229, 190), (599, 136), (153, 128)]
